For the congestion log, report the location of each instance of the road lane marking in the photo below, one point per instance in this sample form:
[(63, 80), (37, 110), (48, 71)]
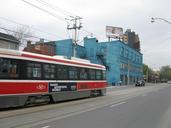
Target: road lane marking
[(114, 105), (46, 126), (34, 124)]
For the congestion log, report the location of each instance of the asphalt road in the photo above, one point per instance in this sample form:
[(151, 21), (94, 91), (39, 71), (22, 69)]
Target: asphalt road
[(140, 107)]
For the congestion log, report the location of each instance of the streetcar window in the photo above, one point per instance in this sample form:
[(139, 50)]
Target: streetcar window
[(83, 74), (73, 75), (98, 75), (61, 72), (104, 75), (13, 69), (4, 67), (49, 71), (92, 74), (8, 68), (33, 70)]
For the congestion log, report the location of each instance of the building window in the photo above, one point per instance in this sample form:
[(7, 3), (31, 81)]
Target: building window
[(122, 51), (49, 71), (122, 66), (131, 55), (134, 57), (125, 66), (33, 70), (127, 53)]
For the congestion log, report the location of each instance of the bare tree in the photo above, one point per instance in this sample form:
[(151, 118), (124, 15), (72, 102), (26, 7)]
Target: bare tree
[(22, 33)]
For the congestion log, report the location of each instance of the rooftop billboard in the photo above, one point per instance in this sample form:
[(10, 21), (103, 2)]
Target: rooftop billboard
[(114, 32)]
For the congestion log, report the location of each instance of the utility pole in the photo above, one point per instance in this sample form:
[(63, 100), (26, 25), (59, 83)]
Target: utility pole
[(128, 72), (76, 25)]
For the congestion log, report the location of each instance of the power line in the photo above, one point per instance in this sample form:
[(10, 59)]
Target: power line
[(3, 28), (44, 10), (48, 12), (28, 26), (71, 18), (67, 13)]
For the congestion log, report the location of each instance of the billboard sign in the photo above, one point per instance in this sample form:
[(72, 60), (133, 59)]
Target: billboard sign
[(114, 32)]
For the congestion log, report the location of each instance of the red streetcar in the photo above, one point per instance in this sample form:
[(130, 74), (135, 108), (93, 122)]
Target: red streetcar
[(28, 78)]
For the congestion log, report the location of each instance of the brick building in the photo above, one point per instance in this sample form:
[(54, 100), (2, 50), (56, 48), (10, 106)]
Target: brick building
[(45, 48)]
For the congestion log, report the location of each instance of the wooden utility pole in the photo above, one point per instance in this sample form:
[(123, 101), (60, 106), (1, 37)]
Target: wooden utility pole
[(76, 25)]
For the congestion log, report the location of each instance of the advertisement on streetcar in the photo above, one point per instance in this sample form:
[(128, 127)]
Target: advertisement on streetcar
[(61, 87)]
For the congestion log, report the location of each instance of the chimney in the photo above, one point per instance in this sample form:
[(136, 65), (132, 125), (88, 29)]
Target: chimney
[(28, 43)]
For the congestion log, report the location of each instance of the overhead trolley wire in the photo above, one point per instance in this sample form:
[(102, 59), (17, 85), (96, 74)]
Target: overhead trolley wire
[(55, 8), (44, 10), (6, 29), (31, 27), (48, 12)]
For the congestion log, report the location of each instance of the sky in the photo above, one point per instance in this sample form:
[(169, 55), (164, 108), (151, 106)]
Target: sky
[(129, 14)]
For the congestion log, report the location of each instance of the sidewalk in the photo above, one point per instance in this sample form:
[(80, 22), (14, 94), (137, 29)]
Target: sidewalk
[(118, 87)]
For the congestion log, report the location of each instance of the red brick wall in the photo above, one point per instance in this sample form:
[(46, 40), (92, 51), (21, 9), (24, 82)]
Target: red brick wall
[(43, 48)]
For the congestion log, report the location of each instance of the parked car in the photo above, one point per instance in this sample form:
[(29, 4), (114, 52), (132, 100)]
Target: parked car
[(169, 82), (140, 83)]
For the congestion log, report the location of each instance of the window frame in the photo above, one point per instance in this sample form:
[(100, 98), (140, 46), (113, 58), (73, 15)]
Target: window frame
[(58, 73), (100, 78), (9, 74), (89, 74), (52, 71), (85, 72), (34, 66), (75, 73)]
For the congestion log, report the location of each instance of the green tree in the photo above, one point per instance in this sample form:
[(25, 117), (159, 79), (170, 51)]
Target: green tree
[(147, 72), (165, 72)]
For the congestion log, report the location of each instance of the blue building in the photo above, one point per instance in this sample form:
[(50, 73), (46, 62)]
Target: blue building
[(66, 48), (123, 63)]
